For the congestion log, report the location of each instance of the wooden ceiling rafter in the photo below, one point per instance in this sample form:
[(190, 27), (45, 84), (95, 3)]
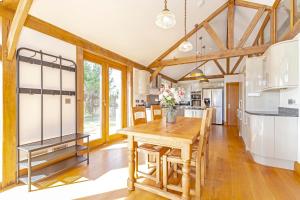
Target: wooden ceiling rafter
[(219, 67), (214, 36), (214, 55), (56, 32), (251, 27), (252, 5), (16, 26)]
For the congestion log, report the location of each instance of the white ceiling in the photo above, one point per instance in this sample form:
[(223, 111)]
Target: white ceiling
[(127, 26)]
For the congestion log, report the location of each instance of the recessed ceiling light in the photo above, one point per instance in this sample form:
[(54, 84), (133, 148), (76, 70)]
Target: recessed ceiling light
[(200, 3)]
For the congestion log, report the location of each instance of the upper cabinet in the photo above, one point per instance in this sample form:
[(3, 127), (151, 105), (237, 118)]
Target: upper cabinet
[(278, 68), (254, 75), (281, 65)]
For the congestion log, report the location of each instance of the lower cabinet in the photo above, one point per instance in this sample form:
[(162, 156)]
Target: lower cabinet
[(272, 140), (286, 138), (262, 135), (193, 113)]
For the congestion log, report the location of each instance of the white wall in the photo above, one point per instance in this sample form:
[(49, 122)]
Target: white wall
[(30, 77)]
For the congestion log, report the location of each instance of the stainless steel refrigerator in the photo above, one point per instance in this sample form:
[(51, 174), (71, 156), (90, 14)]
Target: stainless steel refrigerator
[(215, 97)]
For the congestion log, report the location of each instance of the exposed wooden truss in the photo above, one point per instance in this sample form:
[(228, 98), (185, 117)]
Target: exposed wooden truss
[(233, 52), (56, 32), (16, 26), (215, 55), (214, 36), (219, 67), (188, 35), (251, 27)]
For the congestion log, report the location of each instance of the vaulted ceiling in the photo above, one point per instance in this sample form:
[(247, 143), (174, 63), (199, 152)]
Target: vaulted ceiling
[(127, 27)]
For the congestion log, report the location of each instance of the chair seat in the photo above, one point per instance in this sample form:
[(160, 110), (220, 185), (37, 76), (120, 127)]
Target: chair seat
[(152, 148), (176, 153)]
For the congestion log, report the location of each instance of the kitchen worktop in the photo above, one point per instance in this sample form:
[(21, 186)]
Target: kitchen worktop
[(282, 112)]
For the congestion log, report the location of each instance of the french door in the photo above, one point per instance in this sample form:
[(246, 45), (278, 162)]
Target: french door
[(104, 99)]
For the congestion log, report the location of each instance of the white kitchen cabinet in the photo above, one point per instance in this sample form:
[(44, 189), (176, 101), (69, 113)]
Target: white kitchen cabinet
[(281, 65), (193, 113), (262, 135), (254, 75), (286, 138), (188, 113)]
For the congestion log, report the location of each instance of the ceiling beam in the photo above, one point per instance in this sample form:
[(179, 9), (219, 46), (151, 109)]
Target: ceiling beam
[(16, 26), (251, 27), (198, 77), (293, 33), (214, 36), (193, 70), (252, 5), (189, 34), (220, 67), (273, 26), (56, 32), (215, 55)]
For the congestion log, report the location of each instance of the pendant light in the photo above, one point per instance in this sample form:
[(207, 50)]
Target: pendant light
[(197, 72), (165, 19), (204, 79), (185, 46)]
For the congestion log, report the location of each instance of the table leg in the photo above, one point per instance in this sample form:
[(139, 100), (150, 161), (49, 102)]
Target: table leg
[(131, 163), (186, 158)]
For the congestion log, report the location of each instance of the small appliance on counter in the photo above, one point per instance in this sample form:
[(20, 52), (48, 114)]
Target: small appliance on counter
[(206, 102), (196, 98)]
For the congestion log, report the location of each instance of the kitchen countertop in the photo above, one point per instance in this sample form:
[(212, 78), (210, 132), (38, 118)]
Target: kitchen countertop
[(282, 112)]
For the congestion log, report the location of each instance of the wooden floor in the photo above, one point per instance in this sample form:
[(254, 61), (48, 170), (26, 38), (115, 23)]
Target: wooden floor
[(232, 175)]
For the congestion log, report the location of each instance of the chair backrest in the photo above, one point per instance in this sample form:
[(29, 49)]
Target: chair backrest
[(204, 123), (139, 115), (156, 112), (209, 120), (203, 130)]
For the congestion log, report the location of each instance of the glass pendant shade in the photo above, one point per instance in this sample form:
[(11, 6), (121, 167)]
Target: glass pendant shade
[(186, 46), (165, 19)]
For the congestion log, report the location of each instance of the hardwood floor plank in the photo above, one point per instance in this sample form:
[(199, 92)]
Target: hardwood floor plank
[(232, 175)]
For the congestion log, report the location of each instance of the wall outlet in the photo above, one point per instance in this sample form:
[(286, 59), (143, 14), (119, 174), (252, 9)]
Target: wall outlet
[(291, 101)]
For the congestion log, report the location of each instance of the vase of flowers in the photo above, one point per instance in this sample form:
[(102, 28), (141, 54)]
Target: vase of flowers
[(168, 98)]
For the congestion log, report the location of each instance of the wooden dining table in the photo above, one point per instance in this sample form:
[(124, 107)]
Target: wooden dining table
[(180, 135)]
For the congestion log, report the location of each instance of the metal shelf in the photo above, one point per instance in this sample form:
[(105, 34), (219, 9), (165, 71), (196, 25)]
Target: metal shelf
[(37, 160), (51, 170), (35, 146)]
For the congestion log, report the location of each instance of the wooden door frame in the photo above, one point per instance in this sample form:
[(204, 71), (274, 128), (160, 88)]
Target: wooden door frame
[(106, 64), (227, 97)]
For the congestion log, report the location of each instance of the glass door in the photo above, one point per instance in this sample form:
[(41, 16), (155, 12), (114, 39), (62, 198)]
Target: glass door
[(93, 101), (115, 100)]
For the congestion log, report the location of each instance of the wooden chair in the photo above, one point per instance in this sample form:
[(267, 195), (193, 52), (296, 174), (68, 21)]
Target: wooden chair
[(139, 116), (156, 112), (174, 157)]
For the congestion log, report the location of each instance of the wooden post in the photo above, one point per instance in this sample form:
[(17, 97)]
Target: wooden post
[(80, 89), (9, 111)]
